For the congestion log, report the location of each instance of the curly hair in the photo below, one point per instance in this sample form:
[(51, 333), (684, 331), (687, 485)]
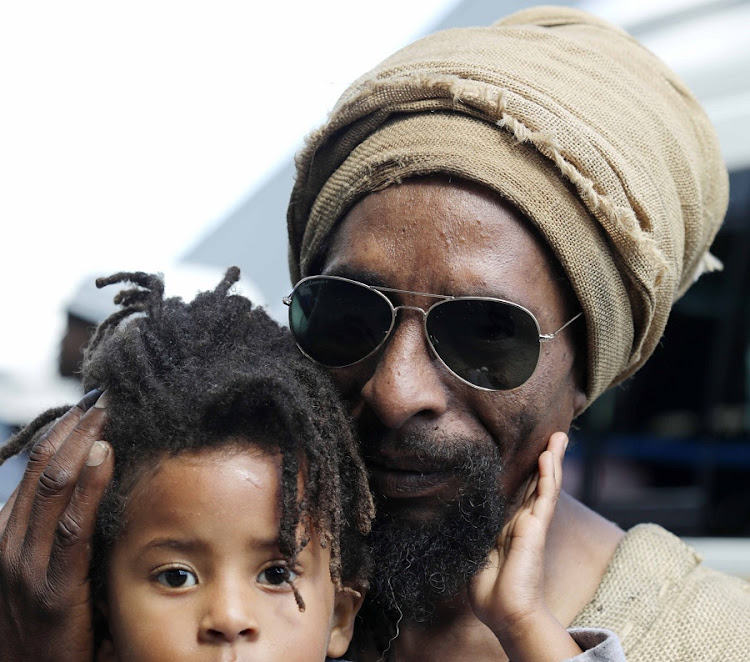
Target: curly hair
[(183, 376)]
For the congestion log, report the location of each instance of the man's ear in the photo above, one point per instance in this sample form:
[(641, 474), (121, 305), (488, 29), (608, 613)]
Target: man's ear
[(345, 608), (579, 402)]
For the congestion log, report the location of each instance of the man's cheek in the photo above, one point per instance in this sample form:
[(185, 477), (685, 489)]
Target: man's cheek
[(349, 382), (519, 469)]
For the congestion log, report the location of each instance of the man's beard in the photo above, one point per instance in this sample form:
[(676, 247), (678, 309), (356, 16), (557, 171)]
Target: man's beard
[(421, 563)]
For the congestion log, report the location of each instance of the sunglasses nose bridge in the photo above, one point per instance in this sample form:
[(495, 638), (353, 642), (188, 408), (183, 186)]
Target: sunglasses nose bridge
[(424, 314), (414, 308)]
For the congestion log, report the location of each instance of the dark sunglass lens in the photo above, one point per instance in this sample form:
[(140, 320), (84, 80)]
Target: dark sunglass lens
[(337, 322), (490, 344)]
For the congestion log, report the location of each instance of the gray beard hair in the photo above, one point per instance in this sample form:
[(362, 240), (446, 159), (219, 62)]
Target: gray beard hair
[(420, 564)]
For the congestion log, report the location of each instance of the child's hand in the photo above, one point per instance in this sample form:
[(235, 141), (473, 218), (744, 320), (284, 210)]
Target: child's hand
[(508, 595)]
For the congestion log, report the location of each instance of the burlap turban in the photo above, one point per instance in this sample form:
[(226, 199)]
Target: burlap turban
[(567, 117)]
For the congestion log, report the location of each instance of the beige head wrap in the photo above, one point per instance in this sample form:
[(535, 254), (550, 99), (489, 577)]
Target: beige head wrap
[(585, 131)]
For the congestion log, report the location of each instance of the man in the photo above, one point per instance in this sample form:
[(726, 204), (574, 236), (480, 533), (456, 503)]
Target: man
[(505, 179)]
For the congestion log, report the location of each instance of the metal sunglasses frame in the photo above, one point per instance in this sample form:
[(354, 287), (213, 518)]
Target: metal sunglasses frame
[(443, 298)]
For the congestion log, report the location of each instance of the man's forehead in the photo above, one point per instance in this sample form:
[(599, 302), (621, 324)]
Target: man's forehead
[(434, 235), (436, 207), (435, 214)]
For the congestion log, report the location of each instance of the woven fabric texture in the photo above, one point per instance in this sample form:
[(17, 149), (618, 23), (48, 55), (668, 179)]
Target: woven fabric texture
[(567, 117), (667, 607)]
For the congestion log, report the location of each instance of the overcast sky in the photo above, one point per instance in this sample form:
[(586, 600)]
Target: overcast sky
[(127, 130)]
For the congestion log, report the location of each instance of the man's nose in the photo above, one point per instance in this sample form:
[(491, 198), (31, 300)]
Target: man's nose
[(407, 380), (229, 615)]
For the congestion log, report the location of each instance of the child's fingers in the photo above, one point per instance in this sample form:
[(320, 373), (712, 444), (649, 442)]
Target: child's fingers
[(546, 489), (550, 478), (541, 493), (556, 447), (559, 441), (531, 488)]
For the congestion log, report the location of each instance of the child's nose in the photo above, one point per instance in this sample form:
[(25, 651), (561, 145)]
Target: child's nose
[(228, 617)]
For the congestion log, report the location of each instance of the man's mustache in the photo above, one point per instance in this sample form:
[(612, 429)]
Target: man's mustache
[(420, 450)]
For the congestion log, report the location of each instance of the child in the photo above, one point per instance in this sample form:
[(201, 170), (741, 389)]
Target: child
[(236, 520)]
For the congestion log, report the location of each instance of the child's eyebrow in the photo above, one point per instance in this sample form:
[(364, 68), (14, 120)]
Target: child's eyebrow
[(176, 544), (196, 545)]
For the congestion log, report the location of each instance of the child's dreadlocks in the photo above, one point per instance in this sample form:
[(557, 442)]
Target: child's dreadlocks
[(184, 376)]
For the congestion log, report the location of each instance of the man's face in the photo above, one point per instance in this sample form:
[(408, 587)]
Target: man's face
[(417, 421)]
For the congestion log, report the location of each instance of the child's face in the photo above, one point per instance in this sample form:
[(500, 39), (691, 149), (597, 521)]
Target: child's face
[(198, 574)]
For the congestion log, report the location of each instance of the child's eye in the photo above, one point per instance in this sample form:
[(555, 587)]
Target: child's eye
[(276, 575), (176, 578)]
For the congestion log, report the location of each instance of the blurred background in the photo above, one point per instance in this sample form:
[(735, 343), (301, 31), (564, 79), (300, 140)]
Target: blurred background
[(160, 135)]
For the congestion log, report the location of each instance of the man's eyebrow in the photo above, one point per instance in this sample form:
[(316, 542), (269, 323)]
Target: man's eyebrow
[(360, 275), (376, 280)]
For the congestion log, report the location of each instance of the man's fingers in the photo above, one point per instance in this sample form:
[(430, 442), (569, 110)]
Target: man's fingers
[(42, 452), (5, 514), (71, 549), (56, 499), (57, 483)]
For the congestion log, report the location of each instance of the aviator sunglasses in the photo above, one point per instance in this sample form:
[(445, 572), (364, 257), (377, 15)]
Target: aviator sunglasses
[(490, 344)]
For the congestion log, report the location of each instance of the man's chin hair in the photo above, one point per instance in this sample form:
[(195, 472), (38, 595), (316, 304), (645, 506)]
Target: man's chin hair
[(420, 564)]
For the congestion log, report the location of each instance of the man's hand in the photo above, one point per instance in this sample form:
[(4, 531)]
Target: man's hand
[(508, 595), (46, 529)]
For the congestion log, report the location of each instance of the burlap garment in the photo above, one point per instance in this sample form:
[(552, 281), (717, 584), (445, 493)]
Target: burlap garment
[(569, 118), (667, 607)]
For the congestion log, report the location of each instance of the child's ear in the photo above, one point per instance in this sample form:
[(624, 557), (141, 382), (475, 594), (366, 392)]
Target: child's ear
[(346, 606)]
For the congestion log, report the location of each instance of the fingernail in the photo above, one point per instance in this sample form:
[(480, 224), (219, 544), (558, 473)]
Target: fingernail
[(565, 447), (101, 403), (89, 399), (97, 454)]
